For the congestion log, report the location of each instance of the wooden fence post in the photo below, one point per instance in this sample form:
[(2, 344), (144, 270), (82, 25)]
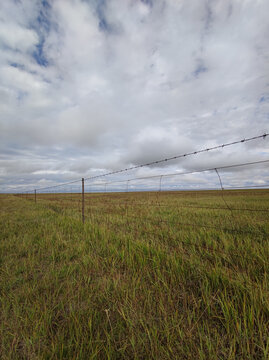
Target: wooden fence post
[(35, 196)]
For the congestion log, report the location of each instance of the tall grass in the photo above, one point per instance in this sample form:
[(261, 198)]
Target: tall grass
[(148, 276)]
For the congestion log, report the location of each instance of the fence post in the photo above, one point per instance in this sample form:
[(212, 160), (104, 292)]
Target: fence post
[(35, 196), (82, 193), (160, 187)]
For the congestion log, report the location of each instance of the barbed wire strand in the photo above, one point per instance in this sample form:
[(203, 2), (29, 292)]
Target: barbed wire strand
[(179, 156), (156, 162), (186, 172)]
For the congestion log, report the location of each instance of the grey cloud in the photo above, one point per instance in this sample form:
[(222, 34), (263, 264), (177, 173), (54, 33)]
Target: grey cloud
[(129, 84)]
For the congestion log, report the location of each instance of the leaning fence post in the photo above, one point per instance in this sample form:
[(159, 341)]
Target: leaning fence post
[(35, 196), (160, 187), (82, 193)]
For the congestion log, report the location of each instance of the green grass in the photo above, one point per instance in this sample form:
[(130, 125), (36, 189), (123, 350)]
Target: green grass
[(148, 276)]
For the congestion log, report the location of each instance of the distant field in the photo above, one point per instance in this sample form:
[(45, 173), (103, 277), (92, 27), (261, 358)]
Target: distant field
[(153, 275)]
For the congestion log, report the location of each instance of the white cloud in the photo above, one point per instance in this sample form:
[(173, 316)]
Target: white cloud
[(98, 85), (17, 38)]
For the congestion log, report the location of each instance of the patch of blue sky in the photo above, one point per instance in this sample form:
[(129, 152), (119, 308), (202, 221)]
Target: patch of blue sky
[(39, 55), (104, 25), (17, 65), (42, 26), (147, 2), (43, 19), (263, 98), (199, 70)]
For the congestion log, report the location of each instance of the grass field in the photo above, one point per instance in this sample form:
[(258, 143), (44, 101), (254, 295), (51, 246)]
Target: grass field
[(180, 275)]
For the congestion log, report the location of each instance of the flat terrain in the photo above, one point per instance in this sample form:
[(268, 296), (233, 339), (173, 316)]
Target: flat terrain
[(168, 275)]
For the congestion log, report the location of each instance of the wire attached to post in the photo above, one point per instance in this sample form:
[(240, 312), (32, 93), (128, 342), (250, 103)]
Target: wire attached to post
[(222, 189)]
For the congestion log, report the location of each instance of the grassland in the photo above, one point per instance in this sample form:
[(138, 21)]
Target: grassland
[(148, 276)]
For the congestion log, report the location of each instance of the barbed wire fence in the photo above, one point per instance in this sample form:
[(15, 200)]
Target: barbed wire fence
[(145, 198)]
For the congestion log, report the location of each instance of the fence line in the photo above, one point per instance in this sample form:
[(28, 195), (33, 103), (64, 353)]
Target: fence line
[(183, 173), (180, 156), (89, 189), (161, 176), (128, 189), (263, 136)]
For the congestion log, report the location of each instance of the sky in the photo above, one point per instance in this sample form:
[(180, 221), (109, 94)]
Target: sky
[(88, 87)]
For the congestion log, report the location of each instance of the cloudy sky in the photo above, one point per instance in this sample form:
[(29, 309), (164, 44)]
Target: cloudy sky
[(92, 86)]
